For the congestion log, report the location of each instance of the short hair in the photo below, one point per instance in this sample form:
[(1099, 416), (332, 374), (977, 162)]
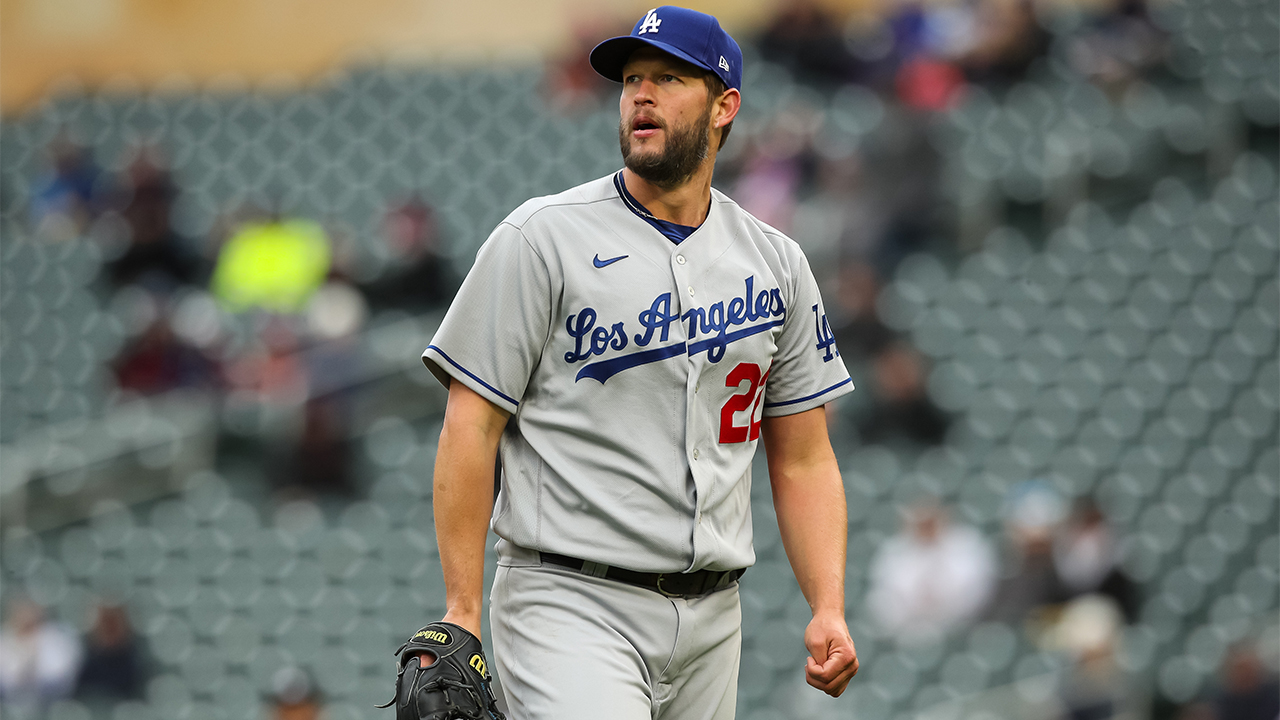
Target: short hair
[(716, 88)]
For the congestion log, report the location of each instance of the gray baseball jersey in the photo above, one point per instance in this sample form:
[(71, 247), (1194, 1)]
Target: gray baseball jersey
[(636, 371)]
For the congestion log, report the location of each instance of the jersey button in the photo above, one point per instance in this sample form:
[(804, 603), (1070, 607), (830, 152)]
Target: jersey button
[(695, 453), (680, 259), (690, 291)]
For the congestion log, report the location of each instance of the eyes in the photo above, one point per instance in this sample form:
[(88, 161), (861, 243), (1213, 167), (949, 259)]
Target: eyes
[(663, 78)]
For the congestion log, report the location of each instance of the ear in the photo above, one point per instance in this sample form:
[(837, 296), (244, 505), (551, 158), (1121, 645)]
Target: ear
[(726, 108)]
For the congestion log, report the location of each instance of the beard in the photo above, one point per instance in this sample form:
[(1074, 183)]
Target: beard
[(681, 156)]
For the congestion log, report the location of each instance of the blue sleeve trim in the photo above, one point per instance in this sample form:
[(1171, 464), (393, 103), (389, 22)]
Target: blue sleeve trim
[(820, 393), (473, 376)]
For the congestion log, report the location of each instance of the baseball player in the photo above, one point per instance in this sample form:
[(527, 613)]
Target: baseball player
[(621, 347)]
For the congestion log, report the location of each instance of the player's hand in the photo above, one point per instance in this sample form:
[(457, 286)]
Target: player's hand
[(468, 623), (833, 661)]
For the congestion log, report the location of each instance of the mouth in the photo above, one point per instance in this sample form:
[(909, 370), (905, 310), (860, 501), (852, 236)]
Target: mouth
[(644, 127)]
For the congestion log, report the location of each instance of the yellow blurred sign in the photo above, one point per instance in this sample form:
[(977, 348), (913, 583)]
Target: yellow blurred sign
[(273, 266)]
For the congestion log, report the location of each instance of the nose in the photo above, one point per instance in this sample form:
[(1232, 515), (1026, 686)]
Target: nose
[(644, 92)]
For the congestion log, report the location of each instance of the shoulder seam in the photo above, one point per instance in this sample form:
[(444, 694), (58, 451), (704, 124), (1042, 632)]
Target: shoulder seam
[(546, 270), (555, 205), (529, 242)]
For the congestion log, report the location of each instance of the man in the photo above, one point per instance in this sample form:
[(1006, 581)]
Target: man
[(932, 577), (622, 346)]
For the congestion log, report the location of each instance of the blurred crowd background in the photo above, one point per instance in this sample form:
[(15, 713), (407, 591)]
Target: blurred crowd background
[(1047, 236)]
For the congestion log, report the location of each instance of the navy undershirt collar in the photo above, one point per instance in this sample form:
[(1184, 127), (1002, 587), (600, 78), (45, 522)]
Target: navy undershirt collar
[(674, 232)]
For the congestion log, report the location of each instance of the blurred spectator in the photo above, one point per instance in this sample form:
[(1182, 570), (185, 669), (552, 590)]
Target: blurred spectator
[(155, 255), (1249, 690), (926, 83), (927, 41), (39, 658), (335, 316), (113, 660), (916, 47), (318, 458), (903, 168), (869, 40), (272, 265), (775, 167), (574, 86), (293, 697), (1087, 557), (932, 576), (418, 277), (805, 38), (272, 371), (860, 334), (952, 29), (158, 360), (1089, 631), (909, 27), (1117, 45), (911, 226), (64, 201), (902, 409), (319, 461), (1008, 39), (1030, 579), (848, 198)]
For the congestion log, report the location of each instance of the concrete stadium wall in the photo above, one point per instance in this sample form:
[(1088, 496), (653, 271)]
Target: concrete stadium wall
[(98, 43)]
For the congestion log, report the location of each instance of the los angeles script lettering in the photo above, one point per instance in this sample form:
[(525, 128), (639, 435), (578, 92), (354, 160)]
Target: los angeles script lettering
[(714, 321)]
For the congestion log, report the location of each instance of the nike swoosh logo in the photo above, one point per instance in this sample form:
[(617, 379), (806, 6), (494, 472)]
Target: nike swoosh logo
[(605, 263)]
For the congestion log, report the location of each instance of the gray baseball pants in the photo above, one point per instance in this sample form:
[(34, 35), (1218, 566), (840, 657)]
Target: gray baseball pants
[(569, 646)]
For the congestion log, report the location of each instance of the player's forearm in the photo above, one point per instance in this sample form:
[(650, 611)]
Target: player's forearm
[(463, 501), (463, 497), (808, 497), (813, 521)]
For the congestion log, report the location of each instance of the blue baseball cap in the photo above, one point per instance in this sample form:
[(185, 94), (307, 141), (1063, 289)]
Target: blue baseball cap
[(688, 34)]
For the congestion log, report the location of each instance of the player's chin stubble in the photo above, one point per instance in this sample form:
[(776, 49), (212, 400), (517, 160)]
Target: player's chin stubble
[(682, 154)]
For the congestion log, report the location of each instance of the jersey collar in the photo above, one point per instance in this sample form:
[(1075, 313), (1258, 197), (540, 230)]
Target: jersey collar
[(674, 232)]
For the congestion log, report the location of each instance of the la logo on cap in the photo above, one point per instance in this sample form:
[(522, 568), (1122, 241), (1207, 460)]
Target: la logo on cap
[(651, 22)]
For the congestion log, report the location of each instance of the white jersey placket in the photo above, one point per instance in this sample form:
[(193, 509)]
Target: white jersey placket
[(689, 264)]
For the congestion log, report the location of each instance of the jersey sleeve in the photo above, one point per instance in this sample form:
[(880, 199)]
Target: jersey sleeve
[(494, 332), (807, 370)]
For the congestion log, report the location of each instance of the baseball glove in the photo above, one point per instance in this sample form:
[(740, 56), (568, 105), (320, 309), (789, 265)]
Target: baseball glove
[(455, 687)]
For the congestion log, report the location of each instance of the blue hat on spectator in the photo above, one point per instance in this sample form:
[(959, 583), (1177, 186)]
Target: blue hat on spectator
[(688, 34)]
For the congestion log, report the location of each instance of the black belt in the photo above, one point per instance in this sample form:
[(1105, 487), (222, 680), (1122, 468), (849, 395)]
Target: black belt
[(700, 582)]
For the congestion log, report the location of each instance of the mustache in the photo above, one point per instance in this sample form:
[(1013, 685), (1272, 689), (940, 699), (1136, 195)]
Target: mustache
[(636, 116)]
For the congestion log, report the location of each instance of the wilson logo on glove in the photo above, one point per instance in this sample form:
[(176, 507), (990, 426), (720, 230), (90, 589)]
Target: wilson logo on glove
[(435, 636)]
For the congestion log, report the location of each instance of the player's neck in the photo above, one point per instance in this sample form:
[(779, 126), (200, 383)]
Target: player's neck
[(685, 204)]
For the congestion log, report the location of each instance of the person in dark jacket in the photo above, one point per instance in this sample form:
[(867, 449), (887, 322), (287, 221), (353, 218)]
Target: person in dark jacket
[(113, 660)]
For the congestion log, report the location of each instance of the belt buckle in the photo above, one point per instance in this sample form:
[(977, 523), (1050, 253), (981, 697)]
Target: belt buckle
[(663, 591)]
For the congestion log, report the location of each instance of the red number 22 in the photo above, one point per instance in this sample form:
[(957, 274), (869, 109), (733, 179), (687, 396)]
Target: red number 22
[(748, 399)]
